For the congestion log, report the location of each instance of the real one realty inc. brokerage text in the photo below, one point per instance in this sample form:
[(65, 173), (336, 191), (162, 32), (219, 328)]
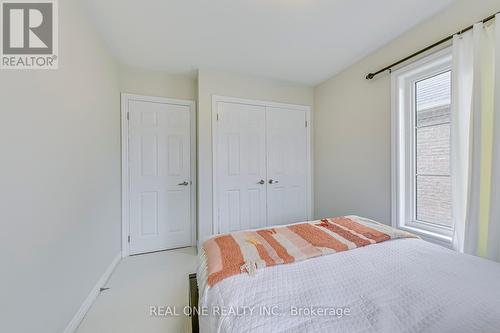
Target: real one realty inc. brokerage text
[(274, 310)]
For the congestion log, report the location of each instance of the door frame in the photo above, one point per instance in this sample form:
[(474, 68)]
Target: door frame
[(125, 99), (236, 100)]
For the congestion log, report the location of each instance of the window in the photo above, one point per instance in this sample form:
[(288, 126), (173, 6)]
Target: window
[(421, 148)]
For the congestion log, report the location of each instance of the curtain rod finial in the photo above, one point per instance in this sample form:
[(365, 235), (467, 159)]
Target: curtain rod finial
[(370, 76)]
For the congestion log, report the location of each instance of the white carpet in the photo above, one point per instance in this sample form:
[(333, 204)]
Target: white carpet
[(138, 282)]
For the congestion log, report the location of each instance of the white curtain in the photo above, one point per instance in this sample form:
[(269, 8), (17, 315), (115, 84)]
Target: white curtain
[(475, 135), (493, 245)]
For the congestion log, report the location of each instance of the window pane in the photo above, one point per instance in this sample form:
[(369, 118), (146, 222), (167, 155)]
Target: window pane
[(433, 100), (434, 92), (434, 199), (433, 150)]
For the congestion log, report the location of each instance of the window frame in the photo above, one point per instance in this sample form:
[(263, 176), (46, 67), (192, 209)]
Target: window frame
[(403, 146)]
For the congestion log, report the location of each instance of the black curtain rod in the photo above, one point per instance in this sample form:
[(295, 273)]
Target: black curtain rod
[(444, 40)]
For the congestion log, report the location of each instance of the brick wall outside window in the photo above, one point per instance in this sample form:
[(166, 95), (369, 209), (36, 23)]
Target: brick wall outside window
[(433, 181)]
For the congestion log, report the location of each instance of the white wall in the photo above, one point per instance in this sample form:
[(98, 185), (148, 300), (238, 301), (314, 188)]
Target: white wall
[(212, 82), (156, 83), (353, 125), (59, 180)]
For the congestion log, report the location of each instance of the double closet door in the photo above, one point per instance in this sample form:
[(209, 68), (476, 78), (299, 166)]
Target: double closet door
[(262, 165)]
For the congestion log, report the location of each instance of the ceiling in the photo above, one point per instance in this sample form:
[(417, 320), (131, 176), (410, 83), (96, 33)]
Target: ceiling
[(304, 41)]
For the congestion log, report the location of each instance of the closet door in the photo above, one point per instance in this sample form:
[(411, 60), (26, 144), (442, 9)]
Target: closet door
[(241, 166), (286, 166)]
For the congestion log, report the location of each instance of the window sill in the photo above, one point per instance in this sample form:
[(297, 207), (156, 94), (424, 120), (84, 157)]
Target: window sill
[(430, 236)]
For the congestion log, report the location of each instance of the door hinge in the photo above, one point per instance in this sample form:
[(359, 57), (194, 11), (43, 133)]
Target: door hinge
[(128, 238), (306, 123), (217, 117), (128, 115)]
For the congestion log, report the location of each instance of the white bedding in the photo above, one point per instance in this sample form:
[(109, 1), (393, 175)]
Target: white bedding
[(404, 285)]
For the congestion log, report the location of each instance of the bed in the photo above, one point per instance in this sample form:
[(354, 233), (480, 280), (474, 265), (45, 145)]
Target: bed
[(401, 285)]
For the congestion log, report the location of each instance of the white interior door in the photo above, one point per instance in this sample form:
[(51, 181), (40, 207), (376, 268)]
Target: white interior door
[(159, 176), (240, 167), (287, 166)]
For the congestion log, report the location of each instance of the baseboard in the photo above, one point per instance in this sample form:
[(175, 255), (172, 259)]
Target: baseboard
[(85, 307)]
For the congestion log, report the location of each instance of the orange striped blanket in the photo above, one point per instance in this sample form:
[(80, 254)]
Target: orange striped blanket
[(246, 251)]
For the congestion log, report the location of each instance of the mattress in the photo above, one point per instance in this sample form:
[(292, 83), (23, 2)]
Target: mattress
[(403, 285)]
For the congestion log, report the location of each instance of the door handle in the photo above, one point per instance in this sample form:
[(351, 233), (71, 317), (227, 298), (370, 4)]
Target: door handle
[(262, 182), (272, 181), (184, 183)]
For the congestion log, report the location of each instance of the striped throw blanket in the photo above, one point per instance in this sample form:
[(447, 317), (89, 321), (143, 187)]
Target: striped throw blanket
[(246, 251)]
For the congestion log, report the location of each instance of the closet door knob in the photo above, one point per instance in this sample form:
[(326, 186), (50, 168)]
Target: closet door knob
[(272, 181), (262, 182), (183, 184)]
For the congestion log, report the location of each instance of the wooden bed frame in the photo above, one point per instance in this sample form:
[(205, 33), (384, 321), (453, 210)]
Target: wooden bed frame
[(193, 302)]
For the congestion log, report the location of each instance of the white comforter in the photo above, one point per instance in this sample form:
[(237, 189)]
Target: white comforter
[(405, 285)]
